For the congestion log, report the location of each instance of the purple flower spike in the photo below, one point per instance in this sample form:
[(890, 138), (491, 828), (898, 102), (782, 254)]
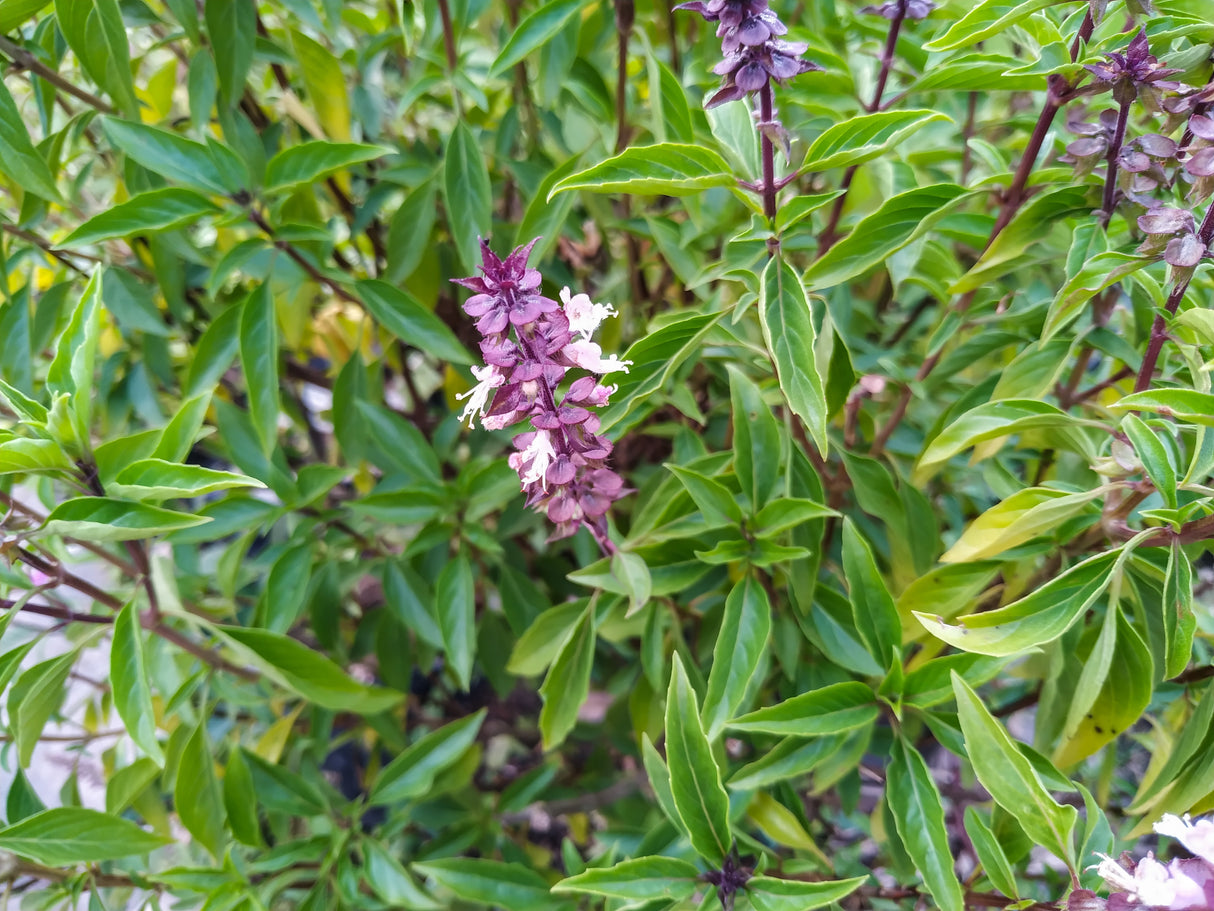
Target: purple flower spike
[(530, 342)]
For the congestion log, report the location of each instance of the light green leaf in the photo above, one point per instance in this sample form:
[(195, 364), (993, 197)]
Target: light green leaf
[(987, 422), (104, 519), (15, 12), (565, 687), (990, 17), (788, 331), (197, 797), (537, 29), (35, 696), (714, 500), (392, 882), (767, 893), (1188, 405), (125, 785), (1011, 779), (695, 779), (455, 601), (990, 853), (74, 835), (919, 815), (900, 221), (1024, 515), (668, 169), (129, 683), (742, 639), (1179, 621), (639, 879), (542, 642), (310, 161), (158, 479), (24, 456), (94, 30), (827, 710), (412, 773), (309, 673), (326, 85), (1032, 621), (1098, 273), (156, 210), (856, 140), (1154, 457)]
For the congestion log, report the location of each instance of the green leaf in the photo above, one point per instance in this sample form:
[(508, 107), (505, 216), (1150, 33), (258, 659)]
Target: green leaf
[(22, 456), (1114, 689), (1179, 621), (636, 880), (767, 893), (1031, 225), (740, 645), (392, 882), (412, 773), (455, 600), (469, 195), (919, 815), (259, 358), (1032, 621), (695, 779), (19, 160), (877, 618), (756, 439), (990, 853), (15, 12), (633, 575), (789, 512), (240, 800), (1011, 780), (511, 887), (35, 696), (659, 780), (568, 681), (540, 644), (987, 422), (125, 785), (714, 500), (94, 30), (1186, 404), (410, 322), (990, 17), (158, 479), (232, 29), (827, 710), (655, 357), (666, 169), (859, 139), (328, 94), (1154, 457), (310, 161), (156, 210), (900, 221), (1024, 515), (536, 30), (104, 519), (74, 835), (197, 798), (1098, 273), (129, 683), (788, 331), (172, 156), (309, 673)]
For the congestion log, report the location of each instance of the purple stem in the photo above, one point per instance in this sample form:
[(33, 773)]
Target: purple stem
[(1110, 180), (766, 113)]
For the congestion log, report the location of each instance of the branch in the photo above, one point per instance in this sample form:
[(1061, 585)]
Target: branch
[(28, 61)]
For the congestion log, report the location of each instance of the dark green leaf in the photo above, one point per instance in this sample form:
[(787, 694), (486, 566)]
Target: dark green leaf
[(788, 330)]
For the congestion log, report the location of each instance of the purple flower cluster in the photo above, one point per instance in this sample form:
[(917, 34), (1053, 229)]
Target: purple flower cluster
[(1182, 885), (751, 43), (1135, 74), (529, 343)]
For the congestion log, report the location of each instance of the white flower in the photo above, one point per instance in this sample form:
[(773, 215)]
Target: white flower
[(478, 395), (583, 314), (589, 356), (1197, 837), (535, 458)]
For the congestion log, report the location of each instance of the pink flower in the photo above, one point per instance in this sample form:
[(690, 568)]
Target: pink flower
[(1197, 837)]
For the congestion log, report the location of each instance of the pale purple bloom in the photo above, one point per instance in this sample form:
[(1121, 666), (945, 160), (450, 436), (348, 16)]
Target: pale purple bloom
[(1197, 837), (1182, 885)]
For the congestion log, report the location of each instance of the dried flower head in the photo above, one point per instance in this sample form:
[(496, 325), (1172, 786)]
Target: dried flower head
[(530, 342)]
